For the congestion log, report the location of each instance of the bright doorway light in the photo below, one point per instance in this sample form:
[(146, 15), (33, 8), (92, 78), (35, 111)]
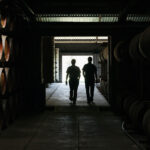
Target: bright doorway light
[(80, 62)]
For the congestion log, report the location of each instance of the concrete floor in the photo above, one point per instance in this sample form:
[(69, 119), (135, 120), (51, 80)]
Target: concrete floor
[(58, 95), (80, 127)]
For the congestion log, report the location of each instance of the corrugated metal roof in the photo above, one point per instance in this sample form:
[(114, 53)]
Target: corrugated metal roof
[(138, 18), (67, 19), (81, 38), (89, 18), (77, 18)]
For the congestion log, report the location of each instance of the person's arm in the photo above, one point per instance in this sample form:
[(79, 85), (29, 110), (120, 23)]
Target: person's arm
[(67, 78), (67, 74), (96, 76)]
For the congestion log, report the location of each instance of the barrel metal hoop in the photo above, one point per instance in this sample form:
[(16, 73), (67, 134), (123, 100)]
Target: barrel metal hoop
[(140, 49)]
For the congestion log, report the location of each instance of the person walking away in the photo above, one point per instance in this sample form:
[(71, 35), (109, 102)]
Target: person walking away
[(90, 75), (73, 72)]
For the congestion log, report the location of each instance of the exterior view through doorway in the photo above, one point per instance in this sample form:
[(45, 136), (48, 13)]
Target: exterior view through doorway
[(81, 60)]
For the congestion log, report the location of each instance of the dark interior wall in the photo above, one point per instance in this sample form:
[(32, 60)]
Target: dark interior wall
[(48, 58), (28, 63), (31, 44)]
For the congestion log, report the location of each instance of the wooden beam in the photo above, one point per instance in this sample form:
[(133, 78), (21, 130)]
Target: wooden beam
[(100, 29)]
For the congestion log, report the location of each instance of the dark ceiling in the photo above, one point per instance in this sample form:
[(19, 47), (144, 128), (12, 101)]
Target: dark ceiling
[(112, 16), (84, 47), (86, 6)]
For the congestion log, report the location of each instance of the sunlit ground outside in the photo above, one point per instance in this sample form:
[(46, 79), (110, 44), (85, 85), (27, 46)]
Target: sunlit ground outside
[(80, 62)]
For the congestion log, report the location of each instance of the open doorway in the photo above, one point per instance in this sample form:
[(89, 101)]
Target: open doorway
[(81, 60), (76, 46), (62, 51)]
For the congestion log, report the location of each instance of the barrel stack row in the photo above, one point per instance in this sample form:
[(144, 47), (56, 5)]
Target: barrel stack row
[(5, 48), (7, 20), (131, 56), (10, 77), (137, 110), (137, 48), (103, 57)]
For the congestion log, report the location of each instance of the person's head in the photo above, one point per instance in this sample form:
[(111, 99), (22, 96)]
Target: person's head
[(73, 61), (90, 59)]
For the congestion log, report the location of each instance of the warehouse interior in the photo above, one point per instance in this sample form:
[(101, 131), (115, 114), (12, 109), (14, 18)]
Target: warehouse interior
[(38, 39)]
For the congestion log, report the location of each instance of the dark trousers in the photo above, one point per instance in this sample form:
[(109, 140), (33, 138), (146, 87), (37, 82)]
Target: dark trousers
[(73, 89), (89, 90)]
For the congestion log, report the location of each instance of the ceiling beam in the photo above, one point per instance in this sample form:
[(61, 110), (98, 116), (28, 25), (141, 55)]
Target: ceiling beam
[(123, 15), (26, 8), (125, 11), (96, 29), (81, 6)]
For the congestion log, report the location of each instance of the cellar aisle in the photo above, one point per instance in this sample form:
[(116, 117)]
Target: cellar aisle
[(68, 128), (67, 131), (57, 94)]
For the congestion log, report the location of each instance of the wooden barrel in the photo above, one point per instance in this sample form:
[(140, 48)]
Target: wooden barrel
[(128, 101), (106, 88), (105, 53), (12, 23), (10, 80), (1, 48), (3, 21), (121, 51), (3, 38), (2, 81), (7, 50), (120, 99), (5, 113), (102, 85), (144, 43), (134, 48), (136, 113), (101, 57), (7, 20), (146, 123)]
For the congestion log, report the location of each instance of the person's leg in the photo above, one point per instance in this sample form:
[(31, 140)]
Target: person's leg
[(76, 84), (71, 90), (92, 91), (87, 91), (74, 95)]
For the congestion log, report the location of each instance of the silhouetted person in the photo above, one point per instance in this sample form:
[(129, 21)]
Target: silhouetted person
[(90, 75), (73, 72)]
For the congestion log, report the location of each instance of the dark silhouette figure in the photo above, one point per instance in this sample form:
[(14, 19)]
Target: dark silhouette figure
[(73, 72), (90, 75)]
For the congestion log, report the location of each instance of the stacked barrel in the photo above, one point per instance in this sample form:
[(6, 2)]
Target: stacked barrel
[(103, 59), (132, 62), (9, 74)]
